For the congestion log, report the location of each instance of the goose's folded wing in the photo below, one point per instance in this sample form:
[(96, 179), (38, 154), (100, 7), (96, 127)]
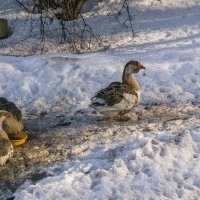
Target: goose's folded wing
[(112, 95), (10, 107)]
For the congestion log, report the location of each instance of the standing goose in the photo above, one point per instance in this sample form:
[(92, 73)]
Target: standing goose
[(119, 98), (10, 122)]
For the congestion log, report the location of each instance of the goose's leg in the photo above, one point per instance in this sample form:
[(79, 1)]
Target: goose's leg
[(125, 118), (122, 118)]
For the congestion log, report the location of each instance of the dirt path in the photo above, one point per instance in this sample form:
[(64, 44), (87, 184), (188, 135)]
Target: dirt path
[(65, 136)]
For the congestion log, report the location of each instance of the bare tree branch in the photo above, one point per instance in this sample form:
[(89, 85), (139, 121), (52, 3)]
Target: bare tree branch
[(77, 34)]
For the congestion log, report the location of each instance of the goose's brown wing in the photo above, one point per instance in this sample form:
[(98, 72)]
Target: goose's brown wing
[(10, 107), (112, 94)]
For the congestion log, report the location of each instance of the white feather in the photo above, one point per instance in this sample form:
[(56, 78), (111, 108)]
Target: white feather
[(127, 103), (99, 100)]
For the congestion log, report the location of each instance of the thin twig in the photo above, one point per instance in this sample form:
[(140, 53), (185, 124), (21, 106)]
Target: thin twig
[(22, 5)]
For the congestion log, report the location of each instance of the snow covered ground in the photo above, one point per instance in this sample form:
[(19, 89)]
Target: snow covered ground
[(64, 83), (143, 165), (146, 163)]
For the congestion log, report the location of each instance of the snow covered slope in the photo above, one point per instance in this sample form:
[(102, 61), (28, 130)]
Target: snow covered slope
[(64, 83), (167, 43)]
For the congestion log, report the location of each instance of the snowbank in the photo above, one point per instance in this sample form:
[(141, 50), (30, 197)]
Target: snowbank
[(141, 166), (65, 83)]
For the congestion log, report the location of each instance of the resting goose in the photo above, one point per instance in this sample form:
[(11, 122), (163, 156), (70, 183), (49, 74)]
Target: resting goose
[(14, 123), (119, 98), (10, 122)]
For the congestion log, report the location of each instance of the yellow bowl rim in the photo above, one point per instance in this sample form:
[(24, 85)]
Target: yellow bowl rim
[(20, 141)]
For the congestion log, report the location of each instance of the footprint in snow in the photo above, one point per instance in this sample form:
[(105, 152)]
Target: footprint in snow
[(34, 88), (197, 73), (60, 60), (162, 90), (194, 80)]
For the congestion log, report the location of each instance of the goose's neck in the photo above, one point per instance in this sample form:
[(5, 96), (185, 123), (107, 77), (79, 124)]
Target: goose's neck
[(3, 134), (130, 80)]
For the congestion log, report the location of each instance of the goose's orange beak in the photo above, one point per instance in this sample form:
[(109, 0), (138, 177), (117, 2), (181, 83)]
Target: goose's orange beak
[(142, 66)]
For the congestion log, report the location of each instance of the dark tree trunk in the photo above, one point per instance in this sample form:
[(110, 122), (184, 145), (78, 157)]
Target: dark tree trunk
[(77, 7), (3, 28)]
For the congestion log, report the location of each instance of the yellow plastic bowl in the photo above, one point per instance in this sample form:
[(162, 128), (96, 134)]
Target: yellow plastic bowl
[(18, 138)]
